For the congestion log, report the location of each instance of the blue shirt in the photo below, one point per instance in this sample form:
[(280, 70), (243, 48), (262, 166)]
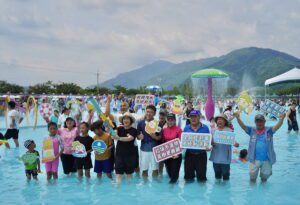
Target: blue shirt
[(261, 148), (202, 129), (54, 119), (147, 143)]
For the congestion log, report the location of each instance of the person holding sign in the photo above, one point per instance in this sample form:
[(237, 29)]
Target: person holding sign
[(31, 160), (221, 154), (195, 160), (148, 141), (261, 154), (103, 163), (170, 133)]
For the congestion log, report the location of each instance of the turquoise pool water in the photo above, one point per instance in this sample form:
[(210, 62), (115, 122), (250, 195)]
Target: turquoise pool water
[(282, 188)]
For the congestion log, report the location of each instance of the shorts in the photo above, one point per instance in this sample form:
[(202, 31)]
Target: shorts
[(265, 168), (68, 162), (52, 166), (84, 163), (33, 172), (147, 160), (293, 126), (103, 166), (125, 164), (12, 133)]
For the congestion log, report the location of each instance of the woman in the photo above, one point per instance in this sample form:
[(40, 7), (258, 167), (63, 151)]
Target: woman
[(172, 132), (68, 134), (229, 114), (125, 160)]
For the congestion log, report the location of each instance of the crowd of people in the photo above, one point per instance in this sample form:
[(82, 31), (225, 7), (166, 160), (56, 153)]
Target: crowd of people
[(123, 156)]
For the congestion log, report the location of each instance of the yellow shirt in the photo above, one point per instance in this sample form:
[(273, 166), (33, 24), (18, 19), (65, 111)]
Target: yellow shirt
[(105, 137)]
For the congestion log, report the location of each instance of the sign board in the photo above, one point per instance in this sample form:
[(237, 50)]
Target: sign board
[(224, 137), (190, 140), (272, 108), (144, 100), (167, 150)]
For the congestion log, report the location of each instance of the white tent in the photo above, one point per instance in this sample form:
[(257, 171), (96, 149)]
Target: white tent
[(292, 75)]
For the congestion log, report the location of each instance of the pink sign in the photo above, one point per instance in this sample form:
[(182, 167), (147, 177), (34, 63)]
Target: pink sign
[(167, 150)]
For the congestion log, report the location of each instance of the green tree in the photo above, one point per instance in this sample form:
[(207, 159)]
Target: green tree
[(119, 89), (8, 87), (41, 88), (187, 90), (68, 88)]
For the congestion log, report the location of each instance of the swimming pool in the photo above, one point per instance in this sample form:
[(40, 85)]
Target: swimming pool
[(282, 188)]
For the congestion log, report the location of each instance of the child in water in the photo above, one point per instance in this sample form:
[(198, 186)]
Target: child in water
[(32, 168), (102, 160), (58, 147)]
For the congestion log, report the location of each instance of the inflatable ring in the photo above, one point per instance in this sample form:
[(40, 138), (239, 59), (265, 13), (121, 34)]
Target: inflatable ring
[(35, 110), (46, 110)]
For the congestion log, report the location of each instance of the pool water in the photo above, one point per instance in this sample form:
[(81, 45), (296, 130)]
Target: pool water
[(283, 187)]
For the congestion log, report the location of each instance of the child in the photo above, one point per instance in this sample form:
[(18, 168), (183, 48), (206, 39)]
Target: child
[(52, 166), (102, 160), (243, 157), (54, 118), (32, 169), (86, 162)]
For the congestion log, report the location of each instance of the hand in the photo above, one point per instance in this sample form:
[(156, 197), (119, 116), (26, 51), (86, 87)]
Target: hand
[(175, 157), (236, 114), (153, 135), (208, 149), (141, 136), (56, 157), (282, 116), (115, 137), (236, 144)]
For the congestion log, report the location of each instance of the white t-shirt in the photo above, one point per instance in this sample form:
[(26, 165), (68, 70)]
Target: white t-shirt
[(17, 116), (61, 120)]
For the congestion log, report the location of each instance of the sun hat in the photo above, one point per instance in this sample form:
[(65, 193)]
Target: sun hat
[(126, 114), (223, 117)]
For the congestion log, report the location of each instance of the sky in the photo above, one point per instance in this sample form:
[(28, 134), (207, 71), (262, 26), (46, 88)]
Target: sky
[(70, 40)]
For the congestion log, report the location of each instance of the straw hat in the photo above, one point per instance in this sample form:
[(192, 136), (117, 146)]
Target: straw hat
[(223, 117), (126, 114)]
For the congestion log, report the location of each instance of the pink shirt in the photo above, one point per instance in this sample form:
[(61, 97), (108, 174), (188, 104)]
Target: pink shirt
[(68, 138), (170, 133)]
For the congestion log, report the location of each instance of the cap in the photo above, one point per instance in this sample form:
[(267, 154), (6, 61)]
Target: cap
[(171, 115), (260, 117), (194, 113), (27, 143)]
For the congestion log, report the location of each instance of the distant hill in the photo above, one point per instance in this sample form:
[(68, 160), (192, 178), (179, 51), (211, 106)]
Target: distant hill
[(246, 67)]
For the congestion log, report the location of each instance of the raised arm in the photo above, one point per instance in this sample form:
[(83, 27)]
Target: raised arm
[(278, 125), (107, 105), (241, 123)]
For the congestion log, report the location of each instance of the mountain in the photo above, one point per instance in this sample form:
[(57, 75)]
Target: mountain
[(246, 67), (140, 76)]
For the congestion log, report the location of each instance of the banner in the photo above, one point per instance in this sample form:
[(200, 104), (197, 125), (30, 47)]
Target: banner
[(272, 108), (144, 100), (167, 150), (224, 137), (191, 140)]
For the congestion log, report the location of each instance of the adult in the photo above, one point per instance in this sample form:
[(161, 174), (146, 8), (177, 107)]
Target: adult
[(229, 114), (292, 118), (195, 160), (172, 132), (261, 154), (125, 160), (148, 141), (162, 124), (221, 154), (189, 108), (14, 119), (62, 118)]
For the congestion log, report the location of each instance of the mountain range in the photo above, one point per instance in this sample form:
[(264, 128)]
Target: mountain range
[(247, 67)]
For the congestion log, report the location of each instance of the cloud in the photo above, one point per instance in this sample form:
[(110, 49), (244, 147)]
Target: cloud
[(115, 36)]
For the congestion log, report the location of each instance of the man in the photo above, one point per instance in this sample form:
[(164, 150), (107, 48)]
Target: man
[(148, 141), (292, 118), (188, 110), (14, 119), (195, 160), (261, 153)]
